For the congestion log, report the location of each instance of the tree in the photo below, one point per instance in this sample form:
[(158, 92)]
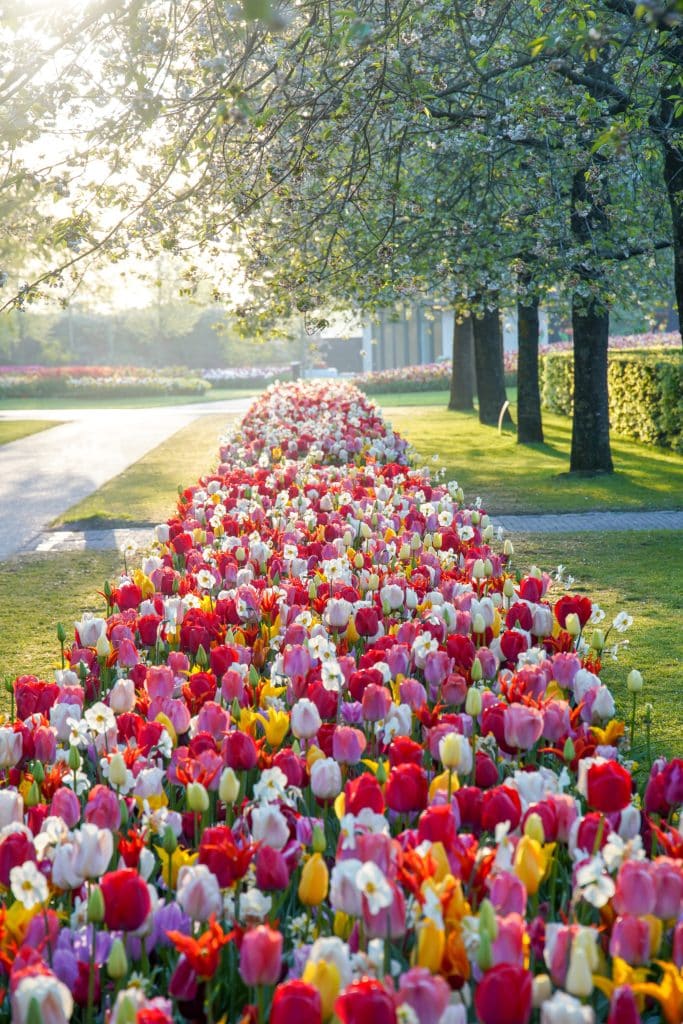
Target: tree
[(370, 153)]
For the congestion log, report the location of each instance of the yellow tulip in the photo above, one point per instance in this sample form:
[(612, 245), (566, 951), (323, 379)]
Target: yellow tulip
[(431, 943), (168, 726), (352, 634), (178, 859), (531, 862), (343, 925), (326, 978), (275, 725), (441, 782), (315, 880), (668, 992), (313, 754)]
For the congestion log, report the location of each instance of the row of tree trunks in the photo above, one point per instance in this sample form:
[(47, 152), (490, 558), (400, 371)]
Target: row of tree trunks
[(478, 369)]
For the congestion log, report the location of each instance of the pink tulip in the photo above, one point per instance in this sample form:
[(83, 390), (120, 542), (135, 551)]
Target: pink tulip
[(677, 953), (214, 719), (507, 894), (261, 956), (668, 881), (296, 662), (523, 726), (436, 667), (65, 804), (635, 888), (488, 662), (127, 653), (630, 939), (427, 994), (159, 681), (376, 703), (102, 808), (508, 946), (348, 744), (232, 686), (413, 694), (565, 667), (623, 1008), (556, 722)]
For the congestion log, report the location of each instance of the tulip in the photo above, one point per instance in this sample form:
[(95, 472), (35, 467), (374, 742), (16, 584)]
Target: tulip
[(365, 1002), (198, 892), (623, 1007), (428, 995), (45, 992), (504, 995), (579, 980), (431, 943), (314, 882), (298, 1001), (261, 956), (324, 976), (326, 780), (228, 787)]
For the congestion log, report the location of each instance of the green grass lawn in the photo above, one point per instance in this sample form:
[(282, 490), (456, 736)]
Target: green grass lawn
[(37, 592), (126, 402), (14, 430), (146, 492), (640, 573), (533, 478)]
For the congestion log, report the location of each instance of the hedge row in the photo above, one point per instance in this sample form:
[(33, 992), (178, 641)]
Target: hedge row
[(645, 393)]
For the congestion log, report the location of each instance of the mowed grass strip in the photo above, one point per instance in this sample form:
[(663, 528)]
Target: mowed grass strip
[(511, 477), (640, 573), (36, 593), (146, 492), (14, 430)]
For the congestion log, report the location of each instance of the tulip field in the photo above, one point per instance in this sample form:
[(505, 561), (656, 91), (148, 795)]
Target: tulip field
[(330, 758)]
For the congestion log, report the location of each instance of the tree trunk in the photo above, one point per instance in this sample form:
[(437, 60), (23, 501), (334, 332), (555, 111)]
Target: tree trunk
[(529, 423), (462, 376), (590, 429), (590, 323), (488, 358), (673, 179)]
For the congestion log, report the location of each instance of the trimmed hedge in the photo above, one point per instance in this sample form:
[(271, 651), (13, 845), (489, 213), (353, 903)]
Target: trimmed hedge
[(645, 393)]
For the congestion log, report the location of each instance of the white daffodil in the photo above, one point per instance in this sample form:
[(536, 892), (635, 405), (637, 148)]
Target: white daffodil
[(29, 885), (373, 884)]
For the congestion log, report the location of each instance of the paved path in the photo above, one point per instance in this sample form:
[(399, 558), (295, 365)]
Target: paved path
[(78, 540), (43, 475), (572, 522)]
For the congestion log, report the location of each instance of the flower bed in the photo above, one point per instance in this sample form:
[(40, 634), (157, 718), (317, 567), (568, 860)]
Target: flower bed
[(428, 377), (236, 376), (437, 376), (96, 381), (326, 755)]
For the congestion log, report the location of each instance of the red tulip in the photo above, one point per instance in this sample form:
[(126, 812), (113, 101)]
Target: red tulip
[(365, 1002), (503, 996), (126, 900), (609, 787), (296, 1001), (407, 788)]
